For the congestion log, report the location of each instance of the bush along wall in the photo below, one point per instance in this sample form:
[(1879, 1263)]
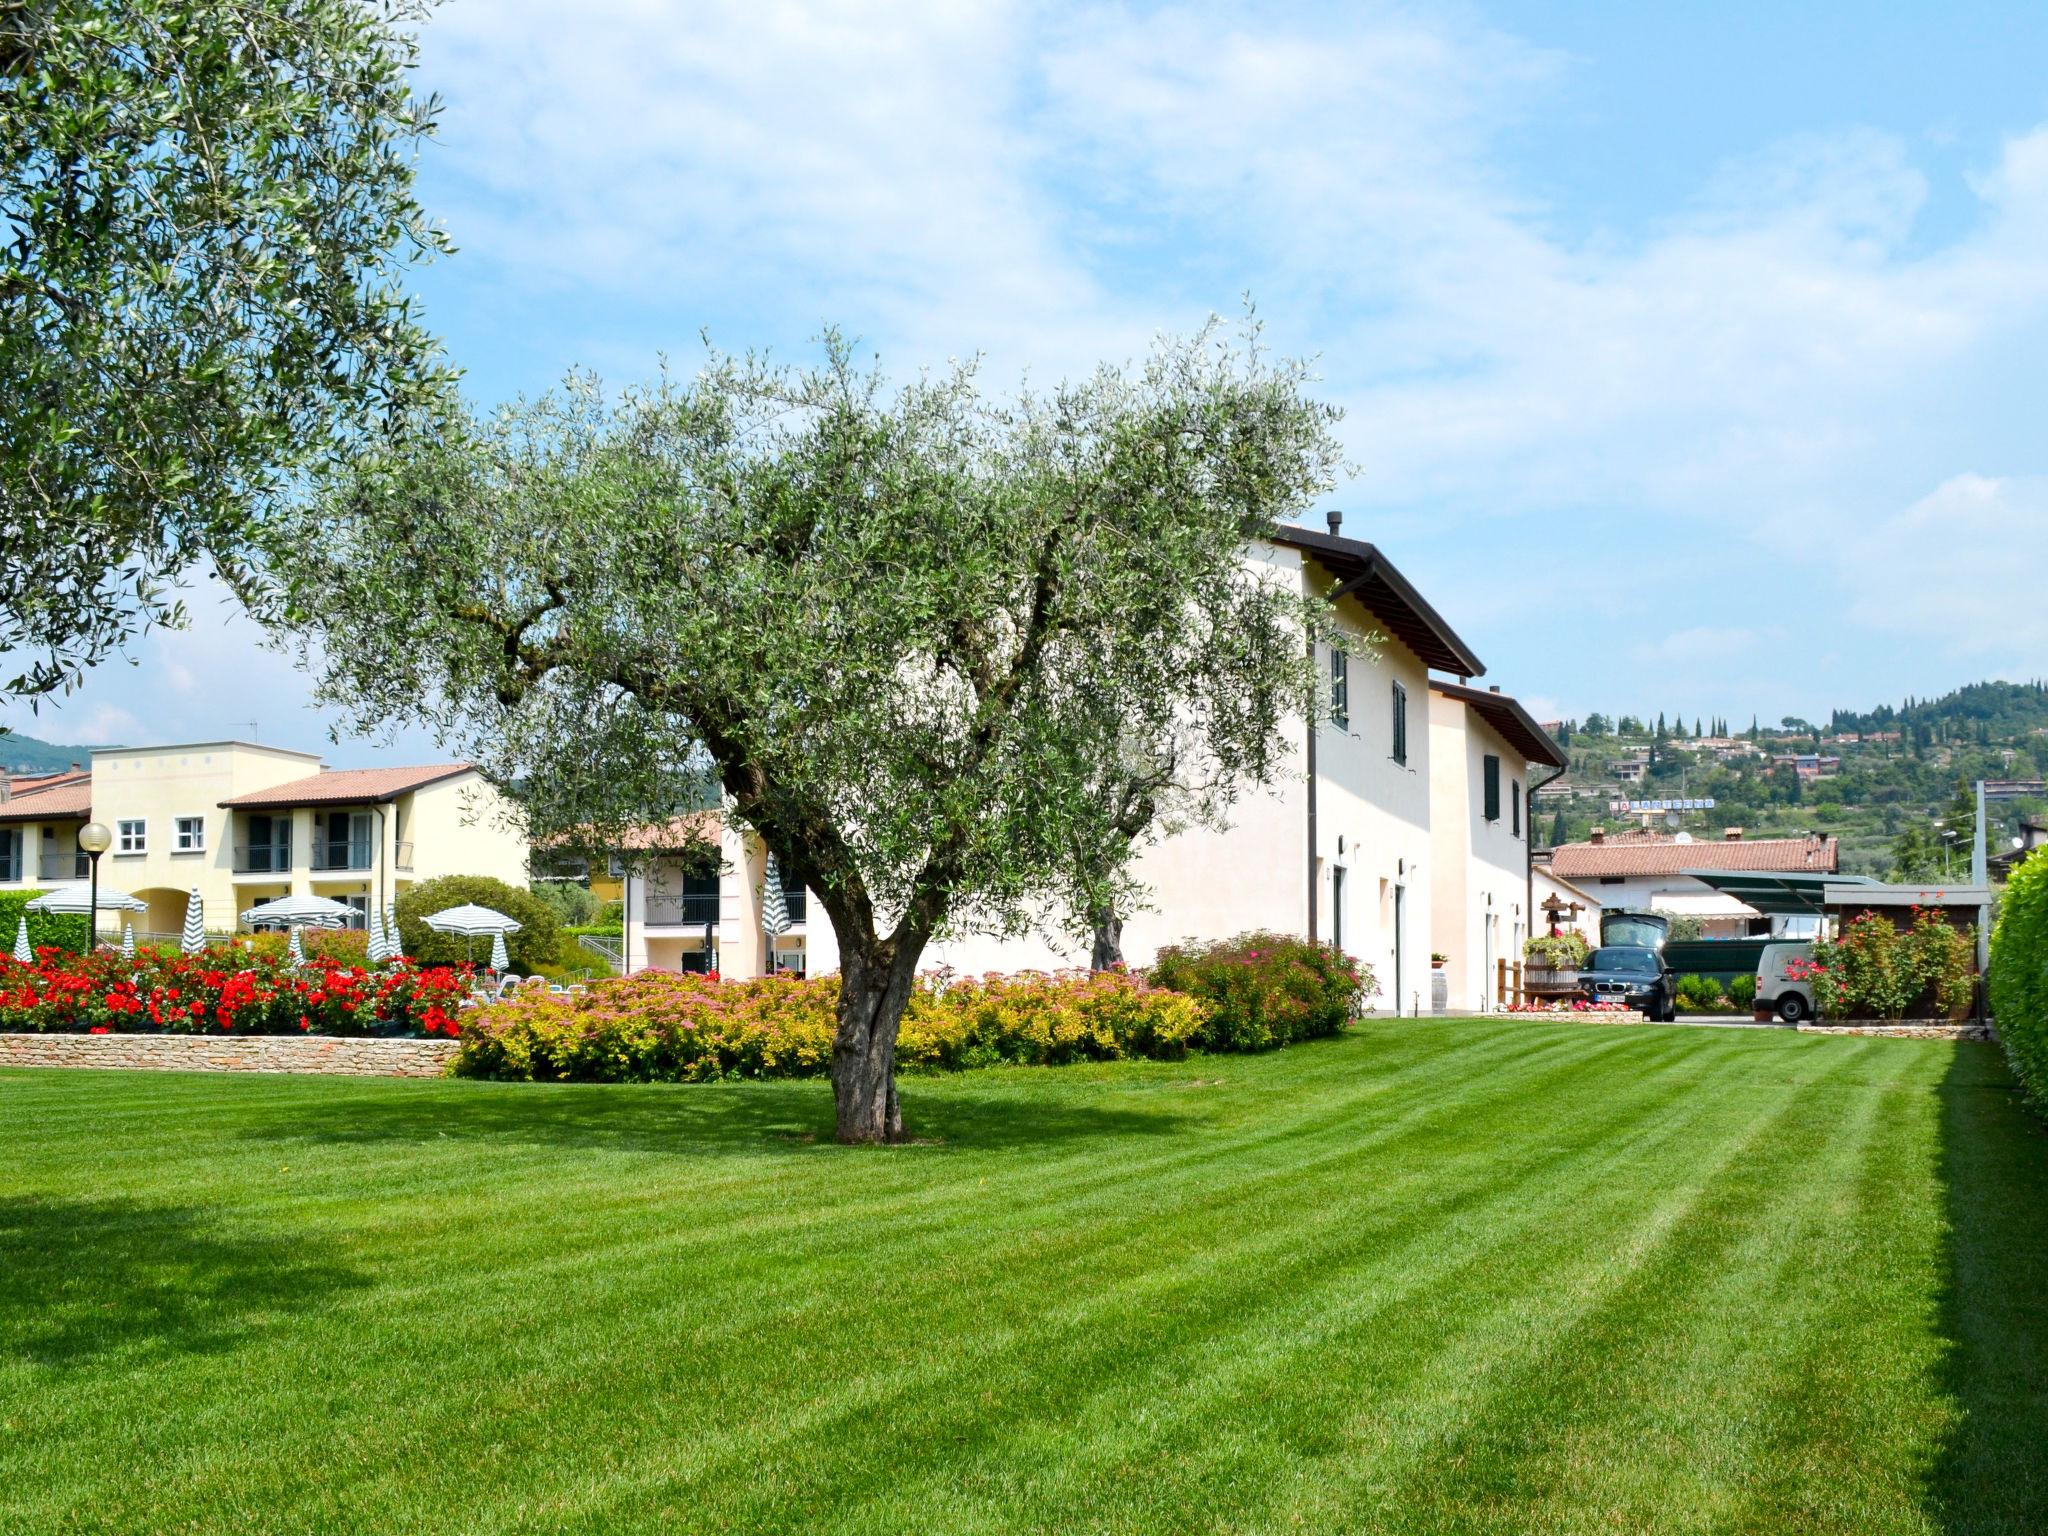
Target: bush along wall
[(1875, 970), (46, 930), (2019, 976), (1266, 989), (659, 1026)]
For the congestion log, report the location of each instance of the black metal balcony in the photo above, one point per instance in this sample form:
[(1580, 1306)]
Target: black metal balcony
[(690, 911), (343, 856), (263, 858)]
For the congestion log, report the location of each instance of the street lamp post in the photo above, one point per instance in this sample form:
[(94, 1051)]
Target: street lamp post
[(95, 839)]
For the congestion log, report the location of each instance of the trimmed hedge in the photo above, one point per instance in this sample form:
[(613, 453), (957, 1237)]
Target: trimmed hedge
[(660, 1026), (45, 929), (2019, 976), (1266, 989)]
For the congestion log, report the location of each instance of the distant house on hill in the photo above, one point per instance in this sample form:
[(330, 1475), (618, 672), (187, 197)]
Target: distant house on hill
[(1808, 765), (2033, 836), (1639, 871)]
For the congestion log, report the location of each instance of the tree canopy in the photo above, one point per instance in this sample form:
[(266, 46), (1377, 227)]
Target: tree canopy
[(904, 630), (204, 211)]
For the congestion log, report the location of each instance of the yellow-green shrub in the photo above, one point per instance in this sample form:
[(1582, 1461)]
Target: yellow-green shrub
[(663, 1027)]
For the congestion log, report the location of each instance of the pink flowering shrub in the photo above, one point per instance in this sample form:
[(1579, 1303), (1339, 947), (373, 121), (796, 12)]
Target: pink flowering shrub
[(1874, 970), (1266, 989), (659, 1026), (225, 989)]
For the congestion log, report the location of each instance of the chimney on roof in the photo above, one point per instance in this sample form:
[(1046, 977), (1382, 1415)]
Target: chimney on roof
[(1732, 835), (1336, 522), (1599, 835), (1493, 687)]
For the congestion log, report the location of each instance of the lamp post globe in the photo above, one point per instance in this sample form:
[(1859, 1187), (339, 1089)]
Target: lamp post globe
[(95, 839)]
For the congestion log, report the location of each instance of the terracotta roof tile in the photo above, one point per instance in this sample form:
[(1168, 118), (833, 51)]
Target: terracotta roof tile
[(346, 786), (1636, 854), (67, 800)]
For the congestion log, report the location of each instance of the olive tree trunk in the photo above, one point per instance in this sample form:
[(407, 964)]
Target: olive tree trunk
[(1108, 949), (875, 979)]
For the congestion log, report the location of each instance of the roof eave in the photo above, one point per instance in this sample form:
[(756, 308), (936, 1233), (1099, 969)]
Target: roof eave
[(1451, 654)]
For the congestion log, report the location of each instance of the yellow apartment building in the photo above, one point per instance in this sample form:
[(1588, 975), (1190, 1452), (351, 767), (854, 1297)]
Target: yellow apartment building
[(243, 823)]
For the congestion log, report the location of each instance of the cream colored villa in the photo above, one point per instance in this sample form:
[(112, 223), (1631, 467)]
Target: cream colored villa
[(243, 823), (1483, 747), (1401, 830)]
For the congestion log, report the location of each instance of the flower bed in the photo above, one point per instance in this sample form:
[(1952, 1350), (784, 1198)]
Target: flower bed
[(226, 989), (659, 1026), (1875, 970), (1568, 1008)]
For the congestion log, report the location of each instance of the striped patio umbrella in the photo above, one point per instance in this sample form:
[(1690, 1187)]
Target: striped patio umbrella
[(373, 946), (471, 921), (193, 939), (501, 959), (298, 950), (394, 946), (290, 911), (127, 941), (22, 952), (774, 905)]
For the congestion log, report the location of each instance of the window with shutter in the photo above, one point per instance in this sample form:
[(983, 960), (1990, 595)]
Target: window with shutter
[(1340, 687), (1515, 805), (1400, 724), (1490, 777)]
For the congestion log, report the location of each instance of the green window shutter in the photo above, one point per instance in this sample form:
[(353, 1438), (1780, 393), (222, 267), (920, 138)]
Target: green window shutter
[(1491, 776)]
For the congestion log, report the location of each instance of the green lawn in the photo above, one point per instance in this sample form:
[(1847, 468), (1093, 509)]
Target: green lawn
[(1431, 1277)]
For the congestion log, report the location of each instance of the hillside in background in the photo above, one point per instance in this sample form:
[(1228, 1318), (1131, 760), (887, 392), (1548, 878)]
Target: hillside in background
[(24, 754), (1897, 776)]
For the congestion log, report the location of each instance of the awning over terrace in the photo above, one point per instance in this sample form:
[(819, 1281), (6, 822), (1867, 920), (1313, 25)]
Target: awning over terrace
[(1785, 893), (1815, 895)]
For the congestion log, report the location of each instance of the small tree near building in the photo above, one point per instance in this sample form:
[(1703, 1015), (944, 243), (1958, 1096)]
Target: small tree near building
[(910, 633)]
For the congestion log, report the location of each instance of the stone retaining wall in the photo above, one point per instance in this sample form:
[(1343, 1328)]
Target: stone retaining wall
[(230, 1053), (1923, 1029)]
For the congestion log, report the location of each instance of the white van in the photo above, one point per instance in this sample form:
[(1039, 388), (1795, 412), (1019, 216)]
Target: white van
[(1790, 1000)]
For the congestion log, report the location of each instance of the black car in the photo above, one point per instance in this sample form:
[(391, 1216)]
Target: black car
[(1632, 974)]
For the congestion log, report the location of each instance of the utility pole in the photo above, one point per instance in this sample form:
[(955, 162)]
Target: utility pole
[(1980, 876)]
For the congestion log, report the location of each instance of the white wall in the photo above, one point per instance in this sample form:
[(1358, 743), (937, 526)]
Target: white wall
[(1481, 875), (1373, 822)]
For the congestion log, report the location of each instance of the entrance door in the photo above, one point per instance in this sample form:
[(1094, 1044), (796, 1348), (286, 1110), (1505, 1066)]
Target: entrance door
[(1492, 956)]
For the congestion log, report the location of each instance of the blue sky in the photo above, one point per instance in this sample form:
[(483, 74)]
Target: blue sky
[(1693, 357)]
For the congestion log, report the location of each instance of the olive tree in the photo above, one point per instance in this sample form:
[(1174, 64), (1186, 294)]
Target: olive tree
[(902, 629), (204, 213)]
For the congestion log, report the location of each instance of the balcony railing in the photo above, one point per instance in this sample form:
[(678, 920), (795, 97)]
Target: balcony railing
[(796, 902), (342, 856), (263, 858), (692, 911), (63, 866)]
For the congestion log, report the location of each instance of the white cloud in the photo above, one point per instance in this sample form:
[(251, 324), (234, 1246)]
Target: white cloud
[(1959, 572), (1054, 188), (1717, 393)]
